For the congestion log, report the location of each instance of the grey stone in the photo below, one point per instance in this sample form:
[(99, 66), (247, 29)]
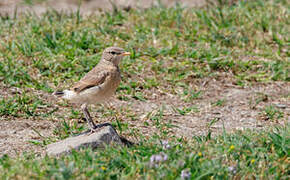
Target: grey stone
[(281, 106), (103, 136)]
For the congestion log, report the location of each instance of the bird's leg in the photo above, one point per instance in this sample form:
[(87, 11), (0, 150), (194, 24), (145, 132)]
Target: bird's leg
[(91, 123)]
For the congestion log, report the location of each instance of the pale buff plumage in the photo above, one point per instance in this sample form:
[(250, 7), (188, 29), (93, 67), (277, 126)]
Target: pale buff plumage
[(99, 84)]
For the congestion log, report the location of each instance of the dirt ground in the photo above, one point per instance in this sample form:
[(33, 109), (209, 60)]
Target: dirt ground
[(86, 7), (238, 111)]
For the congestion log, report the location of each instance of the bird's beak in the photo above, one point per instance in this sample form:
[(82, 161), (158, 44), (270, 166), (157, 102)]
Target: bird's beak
[(126, 54)]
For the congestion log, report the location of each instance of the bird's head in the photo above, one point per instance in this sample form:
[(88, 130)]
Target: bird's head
[(114, 54)]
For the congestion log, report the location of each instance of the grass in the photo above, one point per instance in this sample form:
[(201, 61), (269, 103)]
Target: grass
[(243, 155), (272, 113), (172, 44), (171, 48)]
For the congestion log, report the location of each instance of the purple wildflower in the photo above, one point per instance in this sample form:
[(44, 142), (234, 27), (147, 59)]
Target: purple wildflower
[(185, 174), (165, 144), (156, 159), (232, 169)]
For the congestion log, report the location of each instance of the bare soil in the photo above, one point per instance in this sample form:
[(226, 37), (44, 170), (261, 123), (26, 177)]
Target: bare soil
[(9, 7), (239, 112)]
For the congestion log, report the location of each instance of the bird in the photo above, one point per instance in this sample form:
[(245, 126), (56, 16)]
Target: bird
[(98, 85)]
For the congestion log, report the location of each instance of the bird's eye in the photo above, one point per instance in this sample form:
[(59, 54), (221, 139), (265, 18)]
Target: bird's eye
[(113, 53)]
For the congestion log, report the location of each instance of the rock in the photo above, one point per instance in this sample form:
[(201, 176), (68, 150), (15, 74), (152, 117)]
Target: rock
[(104, 136), (281, 106)]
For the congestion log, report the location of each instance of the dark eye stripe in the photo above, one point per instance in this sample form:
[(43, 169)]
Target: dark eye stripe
[(113, 52)]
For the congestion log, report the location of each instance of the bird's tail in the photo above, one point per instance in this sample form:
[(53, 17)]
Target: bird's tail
[(58, 93), (66, 94)]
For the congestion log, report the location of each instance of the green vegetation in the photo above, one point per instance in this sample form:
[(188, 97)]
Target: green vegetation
[(272, 113), (170, 48), (248, 39), (249, 155)]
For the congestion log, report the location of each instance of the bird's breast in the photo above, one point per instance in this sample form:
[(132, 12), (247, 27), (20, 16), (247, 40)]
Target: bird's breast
[(106, 90)]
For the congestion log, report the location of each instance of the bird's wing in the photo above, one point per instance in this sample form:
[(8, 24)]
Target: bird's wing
[(95, 77)]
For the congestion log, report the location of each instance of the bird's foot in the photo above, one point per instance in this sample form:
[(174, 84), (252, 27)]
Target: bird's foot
[(103, 125), (95, 128), (92, 131)]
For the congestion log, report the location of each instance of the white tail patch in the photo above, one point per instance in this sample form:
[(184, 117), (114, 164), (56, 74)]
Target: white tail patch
[(68, 94)]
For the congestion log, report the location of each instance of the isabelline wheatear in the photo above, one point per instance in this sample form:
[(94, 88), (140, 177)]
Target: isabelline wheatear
[(98, 85)]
